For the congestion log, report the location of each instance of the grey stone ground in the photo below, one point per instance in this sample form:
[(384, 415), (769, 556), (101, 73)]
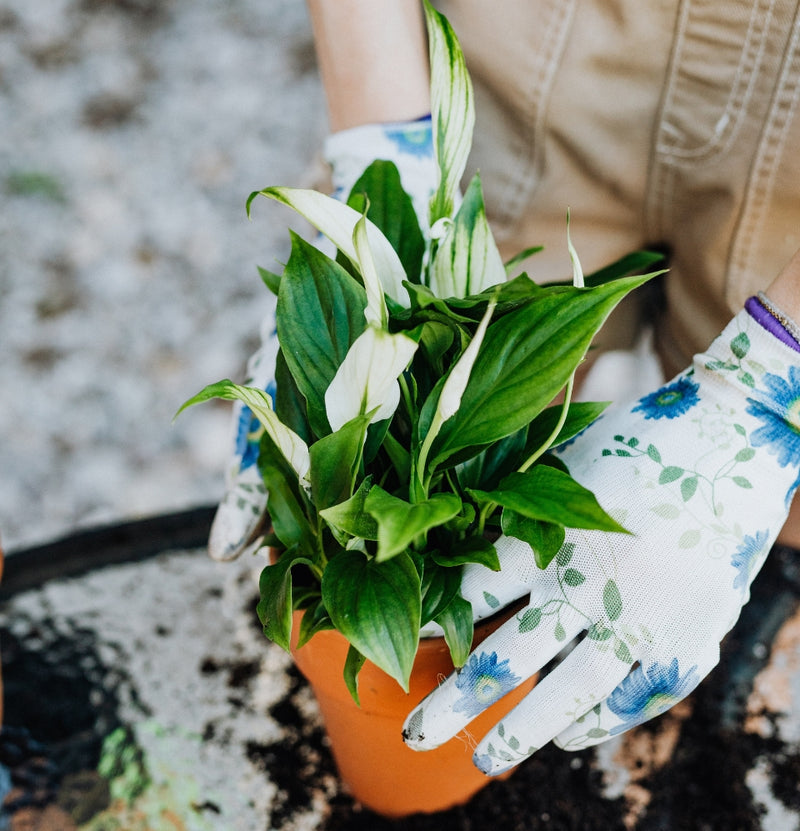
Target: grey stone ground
[(131, 133)]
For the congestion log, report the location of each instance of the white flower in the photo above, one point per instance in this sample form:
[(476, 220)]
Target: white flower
[(367, 378)]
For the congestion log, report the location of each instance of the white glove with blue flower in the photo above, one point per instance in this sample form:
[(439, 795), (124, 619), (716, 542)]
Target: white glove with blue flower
[(239, 523), (701, 472)]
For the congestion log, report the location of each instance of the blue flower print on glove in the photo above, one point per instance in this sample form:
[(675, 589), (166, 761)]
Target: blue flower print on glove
[(415, 139), (746, 556), (647, 693), (482, 681), (670, 401)]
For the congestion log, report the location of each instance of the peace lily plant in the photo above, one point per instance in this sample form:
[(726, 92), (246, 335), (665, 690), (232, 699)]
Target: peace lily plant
[(413, 416)]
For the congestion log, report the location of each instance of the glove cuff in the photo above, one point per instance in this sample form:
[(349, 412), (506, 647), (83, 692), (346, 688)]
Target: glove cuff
[(774, 320), (408, 144)]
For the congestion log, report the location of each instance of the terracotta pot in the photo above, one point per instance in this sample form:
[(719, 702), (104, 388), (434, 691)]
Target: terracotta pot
[(374, 763)]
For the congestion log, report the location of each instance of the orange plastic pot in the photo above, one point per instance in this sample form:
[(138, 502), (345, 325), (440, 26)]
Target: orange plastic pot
[(379, 770)]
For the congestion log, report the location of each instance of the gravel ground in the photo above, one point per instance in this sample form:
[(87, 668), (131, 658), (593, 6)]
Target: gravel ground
[(131, 133)]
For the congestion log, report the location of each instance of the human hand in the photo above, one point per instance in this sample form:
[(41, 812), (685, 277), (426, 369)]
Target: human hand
[(701, 472), (239, 523)]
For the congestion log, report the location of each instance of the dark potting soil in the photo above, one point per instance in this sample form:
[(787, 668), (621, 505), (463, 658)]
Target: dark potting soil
[(63, 701)]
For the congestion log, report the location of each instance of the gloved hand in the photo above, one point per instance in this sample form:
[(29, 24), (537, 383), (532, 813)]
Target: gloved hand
[(239, 523), (701, 472)]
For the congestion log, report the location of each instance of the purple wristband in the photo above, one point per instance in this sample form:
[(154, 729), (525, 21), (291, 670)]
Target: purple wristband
[(765, 318)]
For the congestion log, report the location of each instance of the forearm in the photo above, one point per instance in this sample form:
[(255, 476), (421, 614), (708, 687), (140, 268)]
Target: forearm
[(373, 60)]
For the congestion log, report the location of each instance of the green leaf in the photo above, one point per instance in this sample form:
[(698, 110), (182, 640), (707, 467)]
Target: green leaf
[(337, 221), (740, 345), (275, 606), (653, 453), (471, 550), (517, 259), (456, 621), (612, 600), (573, 577), (290, 406), (670, 474), (315, 619), (742, 482), (596, 733), (390, 208), (549, 494), (689, 539), (320, 314), (439, 587), (489, 467), (352, 666), (559, 632), (335, 460), (633, 263), (530, 619), (271, 280), (452, 110), (745, 454), (688, 487), (349, 517), (286, 502), (526, 357), (579, 416), (292, 447), (545, 538), (467, 260), (377, 607), (401, 522)]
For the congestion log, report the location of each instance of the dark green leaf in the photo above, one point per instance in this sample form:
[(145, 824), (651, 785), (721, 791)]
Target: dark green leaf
[(439, 587), (565, 554), (377, 607), (350, 517), (526, 357), (290, 406), (335, 460), (275, 606), (352, 666), (550, 495), (487, 469), (285, 500), (271, 280), (315, 619), (633, 263), (545, 538), (579, 416), (390, 208), (456, 621), (401, 522), (471, 550), (320, 312)]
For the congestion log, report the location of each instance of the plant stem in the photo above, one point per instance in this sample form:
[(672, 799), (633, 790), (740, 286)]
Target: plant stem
[(556, 430)]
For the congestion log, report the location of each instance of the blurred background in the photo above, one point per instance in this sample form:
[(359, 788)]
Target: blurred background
[(131, 133)]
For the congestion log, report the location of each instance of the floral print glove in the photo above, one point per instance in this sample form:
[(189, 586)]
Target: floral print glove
[(240, 518), (701, 472)]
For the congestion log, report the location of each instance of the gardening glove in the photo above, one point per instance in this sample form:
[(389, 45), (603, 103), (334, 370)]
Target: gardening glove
[(239, 523), (701, 472)]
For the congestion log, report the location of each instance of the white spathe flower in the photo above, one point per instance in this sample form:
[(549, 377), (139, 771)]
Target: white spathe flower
[(376, 312), (367, 377), (337, 222)]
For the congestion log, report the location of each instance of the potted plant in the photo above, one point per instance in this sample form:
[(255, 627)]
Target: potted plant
[(413, 420)]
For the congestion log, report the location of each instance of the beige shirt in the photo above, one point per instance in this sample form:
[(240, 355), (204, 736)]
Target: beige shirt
[(668, 123)]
